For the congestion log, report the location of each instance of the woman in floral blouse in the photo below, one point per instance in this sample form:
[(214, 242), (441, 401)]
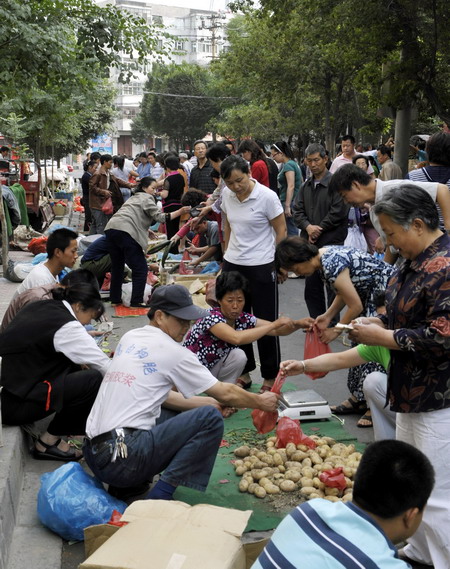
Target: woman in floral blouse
[(416, 329), (216, 338)]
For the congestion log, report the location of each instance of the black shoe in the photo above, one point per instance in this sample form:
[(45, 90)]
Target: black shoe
[(139, 305), (52, 452)]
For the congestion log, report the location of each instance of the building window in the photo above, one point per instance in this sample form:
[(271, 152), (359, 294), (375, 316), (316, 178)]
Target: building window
[(205, 48), (194, 47), (179, 45), (157, 20), (128, 112), (132, 89)]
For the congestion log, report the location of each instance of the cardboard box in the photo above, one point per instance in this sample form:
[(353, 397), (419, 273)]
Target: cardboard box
[(172, 535)]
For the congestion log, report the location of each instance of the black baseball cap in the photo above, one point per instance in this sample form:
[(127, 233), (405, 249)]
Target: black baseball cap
[(176, 300)]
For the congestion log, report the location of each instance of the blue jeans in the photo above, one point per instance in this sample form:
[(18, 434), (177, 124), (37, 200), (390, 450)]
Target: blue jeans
[(184, 446)]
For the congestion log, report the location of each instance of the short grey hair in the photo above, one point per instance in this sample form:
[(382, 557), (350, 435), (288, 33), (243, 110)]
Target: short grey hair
[(405, 203), (315, 148)]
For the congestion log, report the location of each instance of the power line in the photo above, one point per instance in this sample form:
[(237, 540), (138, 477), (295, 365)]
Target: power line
[(189, 96)]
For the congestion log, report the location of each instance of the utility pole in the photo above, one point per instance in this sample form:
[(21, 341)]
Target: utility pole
[(213, 24)]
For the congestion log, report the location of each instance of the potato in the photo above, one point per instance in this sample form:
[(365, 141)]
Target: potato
[(317, 483), (290, 449), (298, 456), (291, 464), (242, 452), (314, 495), (323, 451), (348, 471), (332, 498), (282, 468), (243, 485), (252, 487), (257, 473), (248, 464), (240, 470), (308, 472), (277, 460), (272, 489), (348, 482), (304, 448), (307, 490), (331, 491), (293, 475), (260, 492), (237, 463), (307, 462), (348, 491), (347, 497), (315, 458), (282, 453), (272, 440), (264, 481), (270, 444), (304, 481), (287, 486), (329, 441), (254, 452)]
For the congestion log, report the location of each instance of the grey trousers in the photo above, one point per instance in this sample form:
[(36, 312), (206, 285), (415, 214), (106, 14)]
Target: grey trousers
[(374, 388), (229, 368)]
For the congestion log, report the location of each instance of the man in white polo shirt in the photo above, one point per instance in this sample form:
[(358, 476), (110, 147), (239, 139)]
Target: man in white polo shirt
[(130, 438)]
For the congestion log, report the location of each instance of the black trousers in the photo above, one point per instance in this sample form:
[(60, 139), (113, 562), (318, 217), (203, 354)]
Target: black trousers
[(263, 303), (79, 392), (315, 299)]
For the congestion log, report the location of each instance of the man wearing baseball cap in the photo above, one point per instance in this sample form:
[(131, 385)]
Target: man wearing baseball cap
[(130, 438)]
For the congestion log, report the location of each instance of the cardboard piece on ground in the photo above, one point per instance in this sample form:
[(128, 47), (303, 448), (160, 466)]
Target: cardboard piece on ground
[(173, 535)]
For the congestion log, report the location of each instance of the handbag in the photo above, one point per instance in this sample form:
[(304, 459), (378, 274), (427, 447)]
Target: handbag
[(107, 207)]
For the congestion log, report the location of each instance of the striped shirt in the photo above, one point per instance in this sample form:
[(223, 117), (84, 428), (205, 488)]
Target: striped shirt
[(327, 534)]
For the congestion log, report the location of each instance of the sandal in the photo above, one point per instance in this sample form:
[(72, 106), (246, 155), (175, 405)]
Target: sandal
[(244, 384), (52, 452), (265, 388), (365, 417), (356, 407)]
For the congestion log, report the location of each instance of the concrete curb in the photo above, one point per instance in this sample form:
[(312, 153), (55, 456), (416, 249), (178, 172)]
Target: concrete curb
[(12, 461)]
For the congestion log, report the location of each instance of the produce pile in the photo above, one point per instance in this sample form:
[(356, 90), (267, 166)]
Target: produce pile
[(320, 469)]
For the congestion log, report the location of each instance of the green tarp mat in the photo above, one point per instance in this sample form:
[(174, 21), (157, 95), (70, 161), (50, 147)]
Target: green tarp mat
[(223, 485)]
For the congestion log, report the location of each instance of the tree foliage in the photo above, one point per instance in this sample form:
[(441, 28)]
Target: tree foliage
[(179, 102), (330, 66), (56, 59)]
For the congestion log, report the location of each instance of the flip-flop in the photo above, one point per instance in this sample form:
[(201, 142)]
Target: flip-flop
[(365, 418), (356, 407), (265, 388)]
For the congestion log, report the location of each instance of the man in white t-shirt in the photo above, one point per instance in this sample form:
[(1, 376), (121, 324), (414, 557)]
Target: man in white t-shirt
[(130, 438), (62, 251), (348, 152), (358, 189)]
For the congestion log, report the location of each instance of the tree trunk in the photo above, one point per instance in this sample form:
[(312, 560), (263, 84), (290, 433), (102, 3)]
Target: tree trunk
[(402, 134)]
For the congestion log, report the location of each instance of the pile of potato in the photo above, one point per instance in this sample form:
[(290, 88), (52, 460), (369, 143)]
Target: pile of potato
[(296, 468)]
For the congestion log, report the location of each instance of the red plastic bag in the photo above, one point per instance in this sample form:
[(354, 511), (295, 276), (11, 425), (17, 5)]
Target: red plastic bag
[(152, 279), (38, 245), (315, 347), (115, 519), (265, 421), (106, 282), (183, 265), (334, 478), (289, 431), (107, 207)]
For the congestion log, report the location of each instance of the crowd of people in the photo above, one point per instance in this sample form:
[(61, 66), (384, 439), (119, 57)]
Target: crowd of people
[(374, 250)]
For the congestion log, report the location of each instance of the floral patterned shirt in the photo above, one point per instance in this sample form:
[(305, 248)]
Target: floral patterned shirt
[(368, 274), (208, 348), (418, 310)]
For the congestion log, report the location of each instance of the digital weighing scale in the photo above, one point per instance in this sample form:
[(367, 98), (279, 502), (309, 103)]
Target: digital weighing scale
[(305, 404)]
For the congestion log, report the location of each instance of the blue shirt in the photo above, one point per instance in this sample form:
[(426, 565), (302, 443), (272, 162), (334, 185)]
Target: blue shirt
[(144, 170), (327, 534)]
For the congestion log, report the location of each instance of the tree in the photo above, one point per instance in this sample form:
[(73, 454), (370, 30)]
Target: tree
[(56, 60), (179, 102)]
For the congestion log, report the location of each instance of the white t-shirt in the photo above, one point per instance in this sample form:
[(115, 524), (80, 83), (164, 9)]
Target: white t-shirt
[(252, 238), (146, 365), (382, 187), (38, 276), (342, 160)]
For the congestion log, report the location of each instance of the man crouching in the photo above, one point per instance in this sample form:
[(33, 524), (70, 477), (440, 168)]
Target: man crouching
[(129, 438)]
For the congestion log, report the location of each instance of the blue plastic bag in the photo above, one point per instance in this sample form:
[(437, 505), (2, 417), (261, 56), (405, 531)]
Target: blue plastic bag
[(212, 267), (70, 500)]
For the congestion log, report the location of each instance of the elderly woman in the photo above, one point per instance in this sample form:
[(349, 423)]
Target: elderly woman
[(356, 277), (253, 223), (416, 329)]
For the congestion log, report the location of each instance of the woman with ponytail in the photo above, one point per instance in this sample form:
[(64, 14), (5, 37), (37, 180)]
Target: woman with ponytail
[(127, 239)]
